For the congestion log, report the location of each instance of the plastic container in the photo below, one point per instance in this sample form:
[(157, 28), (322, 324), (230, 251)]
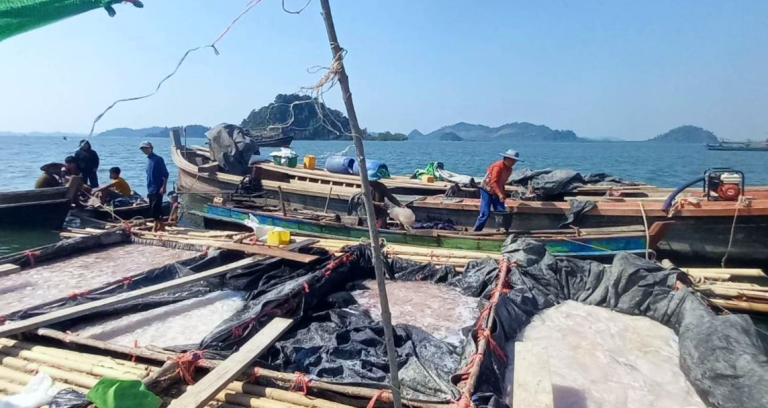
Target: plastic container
[(427, 178), (371, 164), (309, 162), (340, 164), (278, 237), (285, 161)]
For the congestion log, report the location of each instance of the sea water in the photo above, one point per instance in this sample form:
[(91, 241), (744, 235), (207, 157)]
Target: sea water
[(603, 359), (440, 310)]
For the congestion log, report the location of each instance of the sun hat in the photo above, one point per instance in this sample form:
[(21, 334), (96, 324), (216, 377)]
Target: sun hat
[(512, 154), (145, 144)]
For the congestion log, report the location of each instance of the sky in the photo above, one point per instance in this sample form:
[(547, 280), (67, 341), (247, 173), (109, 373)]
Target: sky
[(610, 68)]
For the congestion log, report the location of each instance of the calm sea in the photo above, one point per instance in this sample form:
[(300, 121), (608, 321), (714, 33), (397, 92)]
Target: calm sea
[(659, 164)]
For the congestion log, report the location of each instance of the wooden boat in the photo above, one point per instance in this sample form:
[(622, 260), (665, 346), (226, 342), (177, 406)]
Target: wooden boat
[(579, 243), (703, 230), (120, 213), (748, 146), (44, 208)]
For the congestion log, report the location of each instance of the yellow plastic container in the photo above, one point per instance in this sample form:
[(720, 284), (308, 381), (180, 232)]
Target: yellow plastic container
[(309, 162), (427, 178), (278, 237)]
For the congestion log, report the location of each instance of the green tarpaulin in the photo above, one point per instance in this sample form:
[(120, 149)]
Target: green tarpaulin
[(19, 16)]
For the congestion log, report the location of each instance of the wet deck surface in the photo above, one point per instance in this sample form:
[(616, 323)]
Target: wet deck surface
[(438, 309), (58, 278)]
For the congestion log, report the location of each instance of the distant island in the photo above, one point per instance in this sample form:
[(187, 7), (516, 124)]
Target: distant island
[(297, 115), (193, 131), (449, 137), (686, 134), (511, 132), (385, 137)]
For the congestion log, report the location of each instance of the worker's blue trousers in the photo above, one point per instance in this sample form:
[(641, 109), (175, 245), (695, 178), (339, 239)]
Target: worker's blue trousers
[(488, 201)]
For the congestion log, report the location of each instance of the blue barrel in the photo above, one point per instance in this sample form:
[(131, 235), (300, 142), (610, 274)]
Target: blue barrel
[(340, 164), (370, 164)]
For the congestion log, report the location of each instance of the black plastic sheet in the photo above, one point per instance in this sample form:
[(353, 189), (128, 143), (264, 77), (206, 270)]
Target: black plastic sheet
[(553, 183)]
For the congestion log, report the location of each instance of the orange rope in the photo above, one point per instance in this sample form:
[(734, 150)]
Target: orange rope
[(238, 331), (463, 402), (255, 375), (382, 395), (474, 360), (300, 383), (486, 334), (31, 256), (133, 356), (187, 363), (75, 295), (3, 320)]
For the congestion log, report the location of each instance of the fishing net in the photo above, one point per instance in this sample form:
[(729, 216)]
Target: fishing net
[(20, 16)]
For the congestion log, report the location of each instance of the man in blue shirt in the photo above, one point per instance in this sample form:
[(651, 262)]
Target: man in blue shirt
[(157, 179)]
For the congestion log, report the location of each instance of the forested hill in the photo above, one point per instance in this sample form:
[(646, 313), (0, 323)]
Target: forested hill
[(299, 115), (518, 131), (686, 134)]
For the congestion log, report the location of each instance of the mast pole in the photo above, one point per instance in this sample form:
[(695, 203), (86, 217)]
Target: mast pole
[(386, 316)]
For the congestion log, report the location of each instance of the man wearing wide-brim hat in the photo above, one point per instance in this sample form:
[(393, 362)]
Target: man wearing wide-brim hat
[(492, 190)]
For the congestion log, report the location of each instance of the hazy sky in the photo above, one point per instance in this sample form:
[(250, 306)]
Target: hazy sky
[(609, 68)]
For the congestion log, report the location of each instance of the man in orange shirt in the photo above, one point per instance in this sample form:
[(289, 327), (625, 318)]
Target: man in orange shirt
[(492, 192)]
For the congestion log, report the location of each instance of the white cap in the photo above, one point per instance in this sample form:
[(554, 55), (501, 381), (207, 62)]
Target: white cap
[(145, 144)]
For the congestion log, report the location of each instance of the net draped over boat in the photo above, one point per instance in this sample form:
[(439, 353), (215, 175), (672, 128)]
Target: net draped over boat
[(232, 147), (20, 16)]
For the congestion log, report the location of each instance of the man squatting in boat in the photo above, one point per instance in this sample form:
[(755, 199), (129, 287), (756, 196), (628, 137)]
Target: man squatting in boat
[(492, 189)]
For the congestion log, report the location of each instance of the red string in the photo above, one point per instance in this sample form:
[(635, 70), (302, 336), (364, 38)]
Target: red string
[(306, 287), (127, 280), (463, 402), (485, 333), (133, 356), (255, 375), (474, 360), (127, 227), (205, 252), (75, 295), (382, 395), (3, 320), (31, 256), (300, 383), (238, 331), (187, 363)]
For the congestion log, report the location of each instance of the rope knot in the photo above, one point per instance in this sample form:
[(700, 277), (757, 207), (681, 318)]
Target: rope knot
[(383, 395), (187, 363), (31, 255), (255, 375), (463, 402), (486, 334), (300, 383)]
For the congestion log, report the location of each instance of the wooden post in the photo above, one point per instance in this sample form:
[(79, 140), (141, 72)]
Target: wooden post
[(282, 201), (198, 395), (346, 93), (328, 199)]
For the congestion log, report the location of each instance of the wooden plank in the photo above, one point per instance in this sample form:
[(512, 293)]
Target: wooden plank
[(533, 383), (209, 168), (7, 269), (746, 272), (103, 304), (198, 395), (253, 249)]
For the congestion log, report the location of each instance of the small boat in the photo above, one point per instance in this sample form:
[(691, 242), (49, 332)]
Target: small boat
[(279, 141), (120, 213), (748, 146), (64, 138), (44, 208), (596, 242)]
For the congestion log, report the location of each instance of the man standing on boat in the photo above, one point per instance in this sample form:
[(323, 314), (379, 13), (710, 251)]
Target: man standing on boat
[(157, 180), (492, 190), (88, 162)]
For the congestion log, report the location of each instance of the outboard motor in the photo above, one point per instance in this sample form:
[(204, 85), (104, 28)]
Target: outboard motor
[(723, 184)]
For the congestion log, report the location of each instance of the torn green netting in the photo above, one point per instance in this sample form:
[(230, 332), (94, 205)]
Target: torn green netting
[(19, 16)]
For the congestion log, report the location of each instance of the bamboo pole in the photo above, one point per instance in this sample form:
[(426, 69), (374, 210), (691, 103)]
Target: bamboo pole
[(96, 360), (83, 367), (741, 306), (386, 316), (7, 374), (283, 396), (103, 345), (10, 388), (742, 272), (75, 378), (251, 401)]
